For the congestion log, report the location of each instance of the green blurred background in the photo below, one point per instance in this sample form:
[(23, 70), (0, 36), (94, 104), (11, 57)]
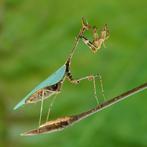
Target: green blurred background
[(35, 39)]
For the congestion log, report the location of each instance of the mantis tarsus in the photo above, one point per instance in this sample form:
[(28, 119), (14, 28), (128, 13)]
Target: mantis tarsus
[(53, 84)]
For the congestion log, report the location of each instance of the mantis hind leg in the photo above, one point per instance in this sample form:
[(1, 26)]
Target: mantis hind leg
[(41, 108), (50, 106)]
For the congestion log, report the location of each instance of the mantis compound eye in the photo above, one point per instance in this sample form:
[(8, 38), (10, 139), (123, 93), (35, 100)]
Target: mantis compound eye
[(85, 24)]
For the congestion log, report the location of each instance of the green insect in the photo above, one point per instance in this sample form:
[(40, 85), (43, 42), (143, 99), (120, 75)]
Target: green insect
[(53, 84)]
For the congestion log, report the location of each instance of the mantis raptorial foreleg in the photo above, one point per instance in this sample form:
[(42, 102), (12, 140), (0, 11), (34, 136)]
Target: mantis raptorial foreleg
[(97, 42)]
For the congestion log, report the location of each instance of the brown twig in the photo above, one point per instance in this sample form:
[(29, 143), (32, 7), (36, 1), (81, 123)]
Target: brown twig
[(63, 122)]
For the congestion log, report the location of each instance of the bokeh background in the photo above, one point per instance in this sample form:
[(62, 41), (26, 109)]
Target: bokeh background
[(35, 39)]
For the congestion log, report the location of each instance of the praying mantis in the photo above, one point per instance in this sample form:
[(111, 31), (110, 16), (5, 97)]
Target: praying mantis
[(53, 84)]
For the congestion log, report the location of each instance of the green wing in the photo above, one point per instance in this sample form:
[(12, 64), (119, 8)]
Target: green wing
[(51, 80)]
